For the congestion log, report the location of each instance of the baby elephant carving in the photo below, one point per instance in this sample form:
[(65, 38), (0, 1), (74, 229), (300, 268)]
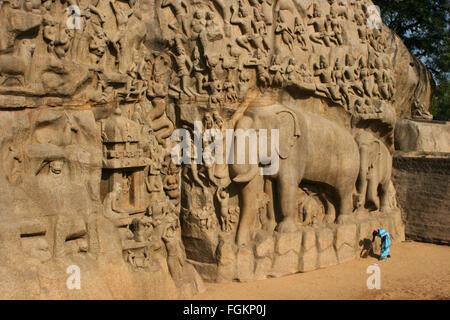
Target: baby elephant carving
[(375, 171)]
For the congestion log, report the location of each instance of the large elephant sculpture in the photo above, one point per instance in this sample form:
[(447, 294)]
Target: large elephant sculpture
[(375, 171), (311, 149)]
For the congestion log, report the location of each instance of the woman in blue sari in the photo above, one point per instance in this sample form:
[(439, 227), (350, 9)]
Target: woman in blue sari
[(385, 242)]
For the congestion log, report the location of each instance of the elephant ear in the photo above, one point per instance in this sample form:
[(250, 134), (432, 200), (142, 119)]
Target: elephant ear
[(288, 132)]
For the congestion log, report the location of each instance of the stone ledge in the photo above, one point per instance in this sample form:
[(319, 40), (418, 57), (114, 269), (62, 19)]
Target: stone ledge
[(305, 250)]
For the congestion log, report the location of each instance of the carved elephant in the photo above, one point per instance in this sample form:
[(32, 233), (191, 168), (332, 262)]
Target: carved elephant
[(375, 171), (311, 149)]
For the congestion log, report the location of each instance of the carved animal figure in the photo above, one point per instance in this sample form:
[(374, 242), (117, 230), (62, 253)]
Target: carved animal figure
[(311, 148), (16, 65), (375, 171)]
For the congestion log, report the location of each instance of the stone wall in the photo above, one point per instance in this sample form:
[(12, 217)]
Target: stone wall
[(422, 184)]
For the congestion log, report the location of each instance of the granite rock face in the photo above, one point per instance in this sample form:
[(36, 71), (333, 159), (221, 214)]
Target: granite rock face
[(97, 98), (422, 183), (422, 136)]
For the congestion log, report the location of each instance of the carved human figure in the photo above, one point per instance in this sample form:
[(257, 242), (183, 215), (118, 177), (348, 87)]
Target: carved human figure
[(175, 252), (381, 87), (154, 183), (262, 73), (208, 121), (365, 75), (229, 65), (360, 18), (339, 79), (134, 84), (241, 17), (388, 85), (352, 74), (418, 111), (336, 28), (198, 70), (142, 228), (284, 30), (97, 44), (291, 71), (205, 217), (212, 32), (183, 66), (171, 184), (218, 121), (66, 223), (278, 71), (229, 89), (243, 85), (215, 88), (300, 33), (321, 33), (193, 169), (266, 11), (225, 12), (263, 201), (225, 219), (327, 86), (112, 204), (260, 32), (179, 9), (122, 13), (56, 37), (364, 107), (198, 24), (305, 74)]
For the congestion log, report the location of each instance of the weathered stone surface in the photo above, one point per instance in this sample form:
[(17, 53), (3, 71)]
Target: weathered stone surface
[(285, 264), (308, 260), (346, 253), (209, 271), (346, 242), (308, 254), (245, 264), (288, 242), (88, 112), (423, 194), (325, 238), (424, 136), (398, 226), (327, 257), (262, 268), (345, 234), (265, 248), (226, 269), (365, 230), (309, 239)]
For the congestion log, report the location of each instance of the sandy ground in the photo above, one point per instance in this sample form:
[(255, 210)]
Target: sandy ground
[(415, 271)]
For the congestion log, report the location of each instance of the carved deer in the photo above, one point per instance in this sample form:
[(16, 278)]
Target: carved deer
[(16, 65)]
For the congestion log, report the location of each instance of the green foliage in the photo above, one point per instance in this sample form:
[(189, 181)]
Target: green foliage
[(440, 107), (423, 25)]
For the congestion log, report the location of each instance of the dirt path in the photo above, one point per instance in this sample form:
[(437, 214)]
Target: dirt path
[(415, 271)]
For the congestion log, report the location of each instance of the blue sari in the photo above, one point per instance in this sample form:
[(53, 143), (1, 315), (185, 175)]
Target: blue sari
[(385, 244)]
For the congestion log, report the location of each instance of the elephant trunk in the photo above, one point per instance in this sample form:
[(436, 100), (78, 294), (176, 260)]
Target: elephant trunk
[(247, 176)]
